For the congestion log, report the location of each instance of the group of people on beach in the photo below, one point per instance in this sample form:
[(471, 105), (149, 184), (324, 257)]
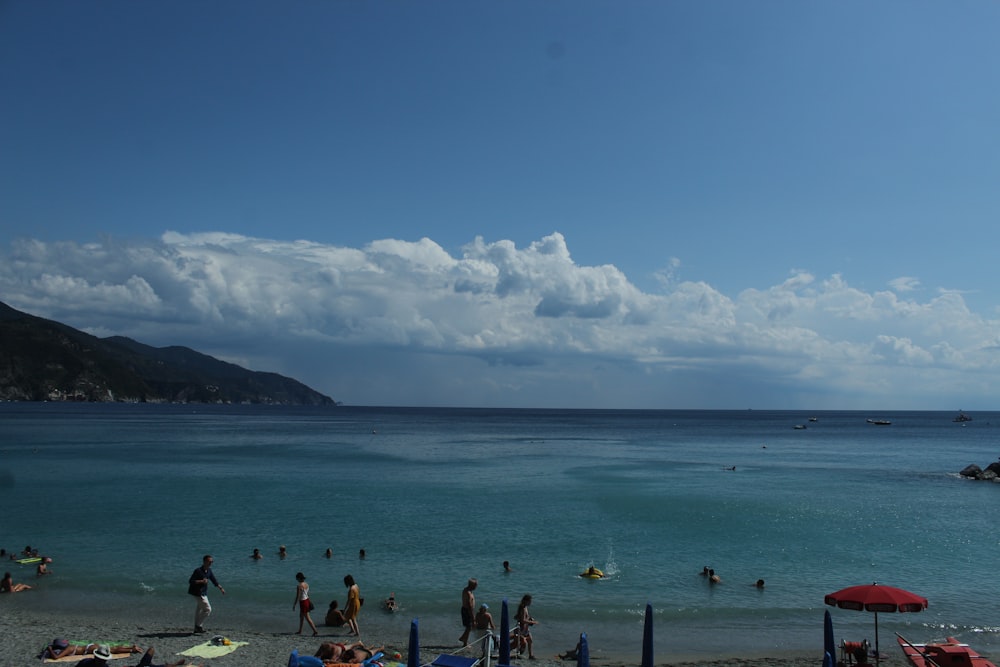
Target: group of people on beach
[(334, 616), (481, 620), (203, 575), (98, 655)]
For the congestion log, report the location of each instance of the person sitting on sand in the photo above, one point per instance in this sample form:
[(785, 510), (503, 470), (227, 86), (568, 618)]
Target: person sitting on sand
[(334, 617), (861, 657), (60, 648), (571, 654), (8, 585), (484, 626)]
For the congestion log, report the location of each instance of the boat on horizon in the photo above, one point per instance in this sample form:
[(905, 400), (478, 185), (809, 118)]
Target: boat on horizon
[(962, 417), (942, 654), (879, 422)]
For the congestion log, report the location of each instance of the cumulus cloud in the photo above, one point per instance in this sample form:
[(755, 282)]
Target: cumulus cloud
[(502, 325), (904, 284)]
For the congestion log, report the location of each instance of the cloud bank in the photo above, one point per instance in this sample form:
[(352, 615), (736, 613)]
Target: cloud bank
[(407, 323)]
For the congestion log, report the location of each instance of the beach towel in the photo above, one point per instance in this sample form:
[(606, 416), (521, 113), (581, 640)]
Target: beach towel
[(78, 658), (210, 650)]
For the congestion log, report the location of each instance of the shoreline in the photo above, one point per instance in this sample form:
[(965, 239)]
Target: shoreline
[(28, 631)]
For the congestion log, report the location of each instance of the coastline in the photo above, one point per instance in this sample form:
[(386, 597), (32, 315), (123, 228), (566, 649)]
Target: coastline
[(27, 631)]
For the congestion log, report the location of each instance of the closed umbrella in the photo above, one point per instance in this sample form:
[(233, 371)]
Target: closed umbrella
[(829, 644), (504, 655), (875, 598), (647, 638), (583, 655), (413, 654)]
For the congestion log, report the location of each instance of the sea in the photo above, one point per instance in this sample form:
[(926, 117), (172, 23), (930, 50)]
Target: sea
[(127, 498)]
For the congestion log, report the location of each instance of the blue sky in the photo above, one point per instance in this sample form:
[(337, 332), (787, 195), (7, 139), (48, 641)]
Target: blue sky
[(573, 204)]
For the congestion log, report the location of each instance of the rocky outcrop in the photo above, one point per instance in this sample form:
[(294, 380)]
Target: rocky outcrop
[(990, 474)]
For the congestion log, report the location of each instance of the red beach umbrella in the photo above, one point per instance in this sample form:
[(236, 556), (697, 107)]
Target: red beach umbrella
[(875, 598)]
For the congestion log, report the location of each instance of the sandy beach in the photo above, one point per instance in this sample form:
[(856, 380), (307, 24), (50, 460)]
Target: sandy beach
[(26, 632)]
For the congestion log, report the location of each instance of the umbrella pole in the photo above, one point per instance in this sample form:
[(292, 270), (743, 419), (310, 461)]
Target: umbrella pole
[(877, 652)]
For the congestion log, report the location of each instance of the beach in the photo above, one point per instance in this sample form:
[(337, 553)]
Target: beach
[(27, 632)]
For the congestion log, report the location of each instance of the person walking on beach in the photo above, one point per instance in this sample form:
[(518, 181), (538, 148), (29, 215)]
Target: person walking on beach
[(304, 604), (524, 623), (468, 610), (353, 606), (198, 586)]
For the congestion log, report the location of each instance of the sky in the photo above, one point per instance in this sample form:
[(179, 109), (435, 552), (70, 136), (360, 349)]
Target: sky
[(554, 203)]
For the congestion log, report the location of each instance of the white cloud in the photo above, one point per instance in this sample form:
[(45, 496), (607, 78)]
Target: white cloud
[(502, 325), (904, 284)]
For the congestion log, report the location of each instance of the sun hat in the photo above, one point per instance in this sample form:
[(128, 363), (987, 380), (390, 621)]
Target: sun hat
[(103, 652)]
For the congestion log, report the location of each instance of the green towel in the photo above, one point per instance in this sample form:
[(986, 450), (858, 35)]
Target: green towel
[(210, 650)]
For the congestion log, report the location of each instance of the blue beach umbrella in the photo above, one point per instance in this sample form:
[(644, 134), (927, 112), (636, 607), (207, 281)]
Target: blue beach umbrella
[(413, 654), (828, 660), (583, 655), (829, 645), (504, 654), (647, 637)]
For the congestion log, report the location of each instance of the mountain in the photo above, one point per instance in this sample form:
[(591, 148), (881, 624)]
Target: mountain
[(43, 360)]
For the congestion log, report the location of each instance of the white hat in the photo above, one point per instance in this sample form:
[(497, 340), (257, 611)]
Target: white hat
[(103, 652)]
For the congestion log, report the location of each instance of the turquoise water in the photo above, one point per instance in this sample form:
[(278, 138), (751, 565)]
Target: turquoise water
[(127, 498)]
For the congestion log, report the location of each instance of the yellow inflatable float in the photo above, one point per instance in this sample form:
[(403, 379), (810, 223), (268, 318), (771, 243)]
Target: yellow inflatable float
[(592, 573)]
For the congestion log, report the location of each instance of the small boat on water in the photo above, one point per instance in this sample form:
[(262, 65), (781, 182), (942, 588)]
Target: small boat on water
[(879, 422), (948, 653), (814, 419), (962, 417), (799, 427)]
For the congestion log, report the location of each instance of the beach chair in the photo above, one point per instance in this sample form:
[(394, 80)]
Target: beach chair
[(451, 660), (448, 660)]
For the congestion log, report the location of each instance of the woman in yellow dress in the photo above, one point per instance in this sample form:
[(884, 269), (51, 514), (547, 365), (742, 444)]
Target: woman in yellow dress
[(353, 606)]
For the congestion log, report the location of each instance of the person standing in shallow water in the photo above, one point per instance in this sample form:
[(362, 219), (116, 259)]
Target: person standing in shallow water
[(353, 606), (304, 604), (198, 587)]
